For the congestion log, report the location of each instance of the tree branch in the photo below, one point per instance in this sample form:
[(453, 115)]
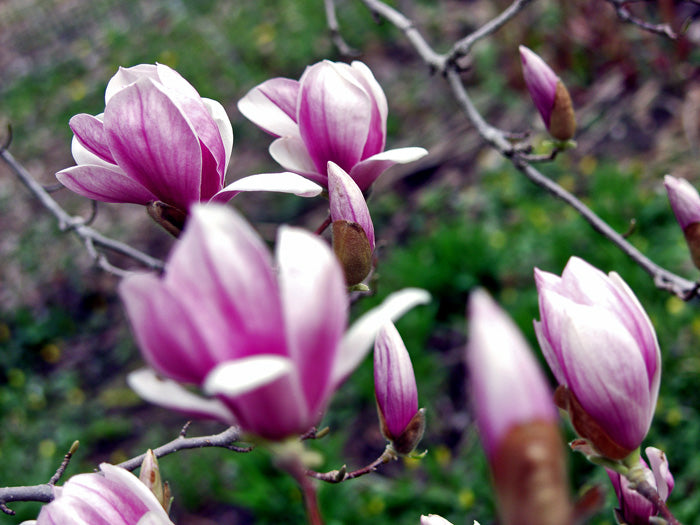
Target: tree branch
[(499, 140), (44, 493), (340, 475), (625, 15), (334, 29), (91, 238)]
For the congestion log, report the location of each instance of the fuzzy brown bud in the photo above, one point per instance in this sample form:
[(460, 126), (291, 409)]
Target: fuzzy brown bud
[(352, 247), (172, 219), (562, 124)]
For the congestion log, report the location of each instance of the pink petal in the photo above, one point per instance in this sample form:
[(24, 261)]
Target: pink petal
[(367, 171), (154, 142), (126, 76), (334, 116), (218, 113), (315, 306), (169, 337), (272, 106), (376, 137), (104, 184), (541, 82), (90, 132), (223, 270)]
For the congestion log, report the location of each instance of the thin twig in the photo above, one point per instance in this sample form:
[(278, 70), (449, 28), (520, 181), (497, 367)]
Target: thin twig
[(334, 29), (647, 490), (625, 15), (224, 439), (91, 238), (64, 464), (340, 475)]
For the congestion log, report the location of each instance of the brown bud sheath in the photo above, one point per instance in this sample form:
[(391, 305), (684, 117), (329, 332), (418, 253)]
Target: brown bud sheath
[(692, 237), (353, 250), (587, 427), (172, 219), (411, 435), (562, 123), (530, 477)]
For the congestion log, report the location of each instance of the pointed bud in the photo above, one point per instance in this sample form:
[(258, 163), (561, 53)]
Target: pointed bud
[(150, 476), (516, 418), (396, 392), (352, 249), (685, 203), (549, 94), (172, 219)]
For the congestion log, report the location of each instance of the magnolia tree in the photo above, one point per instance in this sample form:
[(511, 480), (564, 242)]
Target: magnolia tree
[(260, 341)]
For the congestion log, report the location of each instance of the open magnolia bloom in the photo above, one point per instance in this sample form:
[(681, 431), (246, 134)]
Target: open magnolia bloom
[(335, 113), (266, 340), (113, 496), (602, 349), (159, 141)]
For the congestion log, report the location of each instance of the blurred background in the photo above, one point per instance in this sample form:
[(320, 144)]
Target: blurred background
[(462, 217)]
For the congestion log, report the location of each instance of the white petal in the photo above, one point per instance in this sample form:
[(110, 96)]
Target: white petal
[(232, 378), (218, 113), (359, 338), (400, 155), (169, 394), (285, 182)]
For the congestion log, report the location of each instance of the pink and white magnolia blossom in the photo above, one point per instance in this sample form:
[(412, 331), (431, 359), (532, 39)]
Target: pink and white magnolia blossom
[(634, 508), (265, 339), (507, 385), (335, 113), (113, 496), (396, 391), (602, 349), (159, 140)]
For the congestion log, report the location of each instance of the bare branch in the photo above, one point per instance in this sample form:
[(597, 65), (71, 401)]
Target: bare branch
[(647, 490), (498, 139), (625, 15), (340, 475), (91, 238), (334, 28), (224, 439), (463, 47), (44, 493), (64, 464)]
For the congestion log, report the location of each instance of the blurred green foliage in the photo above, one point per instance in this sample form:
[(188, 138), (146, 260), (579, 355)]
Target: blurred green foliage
[(61, 377)]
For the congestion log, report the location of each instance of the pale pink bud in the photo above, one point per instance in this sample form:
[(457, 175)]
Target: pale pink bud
[(634, 508), (685, 202), (549, 94), (602, 349), (335, 113), (396, 392), (516, 419)]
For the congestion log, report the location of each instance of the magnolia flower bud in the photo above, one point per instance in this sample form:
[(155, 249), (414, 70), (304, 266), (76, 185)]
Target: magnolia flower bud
[(353, 231), (549, 95), (602, 349), (685, 202), (396, 392), (516, 419)]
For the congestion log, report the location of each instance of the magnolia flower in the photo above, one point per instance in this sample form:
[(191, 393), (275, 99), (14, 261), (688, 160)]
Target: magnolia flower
[(602, 349), (685, 202), (396, 392), (113, 496), (335, 112), (353, 231), (634, 508), (158, 141), (549, 94), (516, 418), (264, 338)]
